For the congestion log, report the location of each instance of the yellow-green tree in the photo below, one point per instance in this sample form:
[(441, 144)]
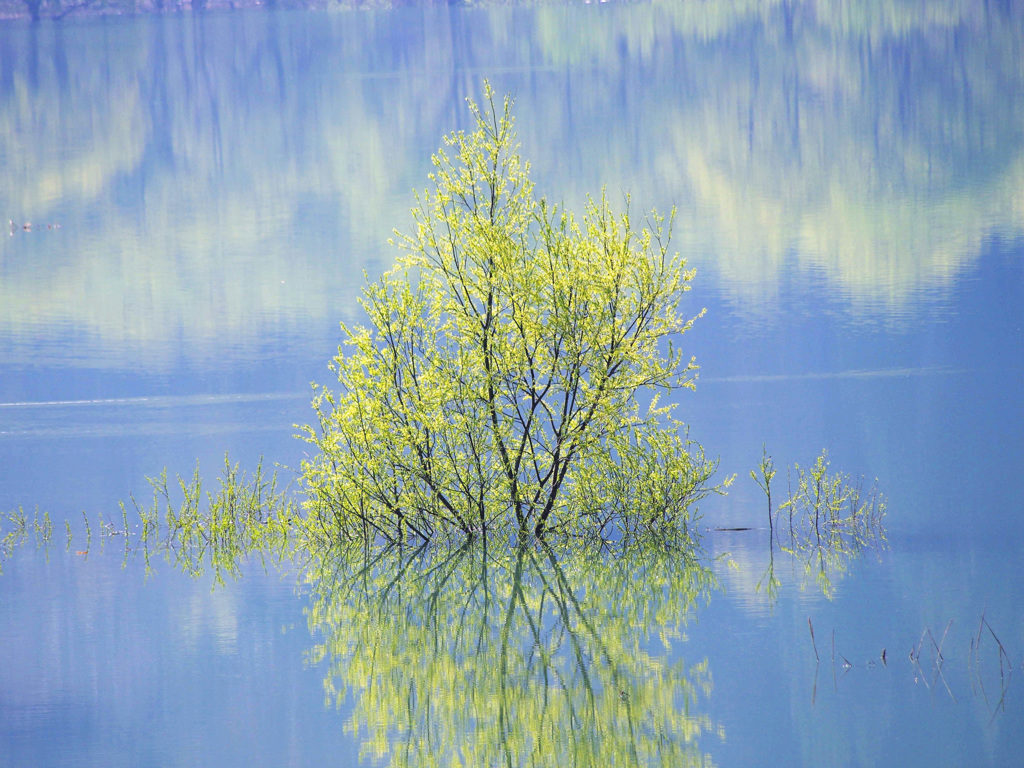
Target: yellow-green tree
[(499, 380)]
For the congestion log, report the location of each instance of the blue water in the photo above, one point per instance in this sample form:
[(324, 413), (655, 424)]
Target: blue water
[(847, 186)]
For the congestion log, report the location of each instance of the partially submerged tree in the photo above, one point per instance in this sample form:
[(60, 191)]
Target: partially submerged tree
[(499, 381)]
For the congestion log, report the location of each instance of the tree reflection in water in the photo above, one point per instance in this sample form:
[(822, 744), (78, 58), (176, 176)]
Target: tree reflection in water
[(514, 656)]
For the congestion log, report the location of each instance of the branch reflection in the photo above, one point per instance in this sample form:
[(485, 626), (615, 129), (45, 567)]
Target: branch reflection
[(525, 656)]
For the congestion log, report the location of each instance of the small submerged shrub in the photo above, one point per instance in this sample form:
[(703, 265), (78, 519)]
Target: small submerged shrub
[(16, 528), (825, 521), (830, 509), (498, 383), (246, 514)]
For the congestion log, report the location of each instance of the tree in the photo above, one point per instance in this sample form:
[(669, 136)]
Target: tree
[(499, 381)]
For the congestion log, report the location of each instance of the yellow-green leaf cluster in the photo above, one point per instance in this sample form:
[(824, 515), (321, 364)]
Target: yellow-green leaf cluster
[(497, 383)]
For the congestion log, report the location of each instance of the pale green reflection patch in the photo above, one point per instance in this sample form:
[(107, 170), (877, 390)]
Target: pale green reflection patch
[(489, 656)]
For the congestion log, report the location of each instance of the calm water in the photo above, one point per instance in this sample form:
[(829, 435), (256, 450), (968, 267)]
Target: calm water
[(205, 194)]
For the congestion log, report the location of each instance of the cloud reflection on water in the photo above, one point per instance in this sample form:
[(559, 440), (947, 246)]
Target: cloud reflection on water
[(224, 180)]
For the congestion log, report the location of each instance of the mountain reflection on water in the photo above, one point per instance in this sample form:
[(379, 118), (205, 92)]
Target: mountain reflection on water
[(875, 146)]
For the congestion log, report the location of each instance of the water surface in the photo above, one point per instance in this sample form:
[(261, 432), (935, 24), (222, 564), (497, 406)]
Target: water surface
[(205, 193)]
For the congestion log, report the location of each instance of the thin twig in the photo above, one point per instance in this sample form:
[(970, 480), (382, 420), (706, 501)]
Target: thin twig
[(835, 684)]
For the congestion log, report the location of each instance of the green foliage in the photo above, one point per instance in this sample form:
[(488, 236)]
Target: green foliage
[(498, 382), (831, 508), (763, 476), (826, 522), (18, 529), (247, 515)]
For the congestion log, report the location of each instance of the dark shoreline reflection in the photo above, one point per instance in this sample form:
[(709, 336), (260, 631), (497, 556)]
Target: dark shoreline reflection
[(485, 656)]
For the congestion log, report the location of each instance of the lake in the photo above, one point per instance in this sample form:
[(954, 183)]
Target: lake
[(190, 205)]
